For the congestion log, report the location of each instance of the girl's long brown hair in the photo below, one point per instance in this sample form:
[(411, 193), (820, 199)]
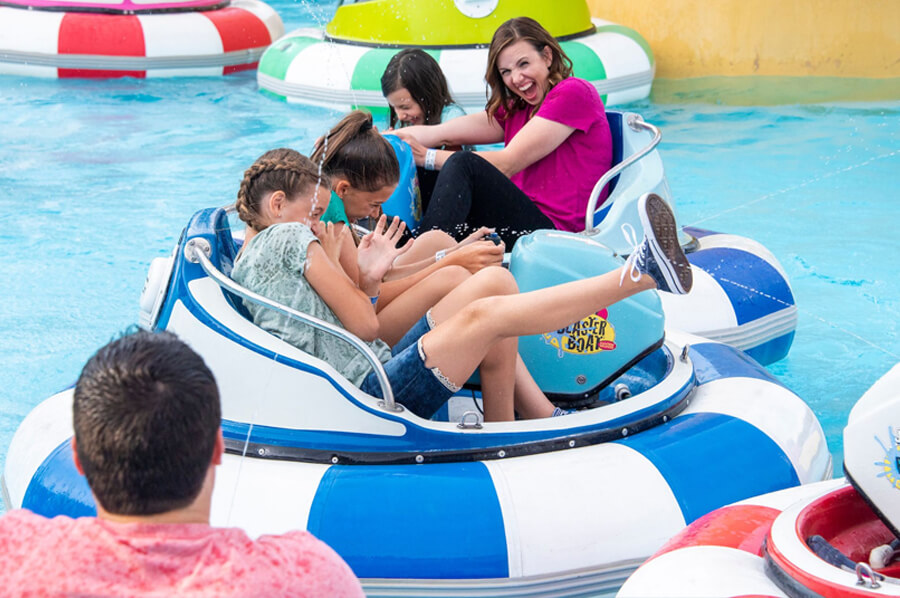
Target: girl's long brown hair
[(421, 75), (356, 151)]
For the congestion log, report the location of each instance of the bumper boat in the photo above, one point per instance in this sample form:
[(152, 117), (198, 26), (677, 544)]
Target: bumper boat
[(340, 66), (741, 293), (134, 38), (674, 426), (833, 539)]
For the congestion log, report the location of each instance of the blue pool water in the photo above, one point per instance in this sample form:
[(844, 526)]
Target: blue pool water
[(98, 178)]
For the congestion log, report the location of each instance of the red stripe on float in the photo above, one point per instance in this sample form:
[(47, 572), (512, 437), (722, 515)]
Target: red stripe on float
[(742, 526), (236, 68), (239, 29), (101, 35)]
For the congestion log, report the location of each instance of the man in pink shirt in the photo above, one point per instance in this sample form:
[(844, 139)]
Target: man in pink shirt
[(147, 417)]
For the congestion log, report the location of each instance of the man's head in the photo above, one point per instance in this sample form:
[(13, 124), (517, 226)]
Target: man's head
[(146, 416)]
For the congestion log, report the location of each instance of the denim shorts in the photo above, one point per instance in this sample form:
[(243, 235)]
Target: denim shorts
[(420, 389)]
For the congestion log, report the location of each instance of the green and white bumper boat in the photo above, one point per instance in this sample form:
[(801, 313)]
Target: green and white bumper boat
[(340, 66)]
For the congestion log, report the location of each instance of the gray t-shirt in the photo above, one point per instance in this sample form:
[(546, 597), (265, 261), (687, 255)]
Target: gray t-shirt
[(273, 264)]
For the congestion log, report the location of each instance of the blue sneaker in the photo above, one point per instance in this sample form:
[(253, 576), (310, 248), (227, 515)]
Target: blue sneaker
[(659, 255), (558, 412)]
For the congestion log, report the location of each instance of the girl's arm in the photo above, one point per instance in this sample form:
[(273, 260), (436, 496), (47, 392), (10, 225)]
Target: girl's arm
[(337, 242), (472, 129), (348, 254), (351, 305), (473, 258), (535, 140)]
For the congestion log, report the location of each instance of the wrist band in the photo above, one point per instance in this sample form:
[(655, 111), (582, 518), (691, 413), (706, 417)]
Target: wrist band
[(430, 156), (439, 255), (374, 299)]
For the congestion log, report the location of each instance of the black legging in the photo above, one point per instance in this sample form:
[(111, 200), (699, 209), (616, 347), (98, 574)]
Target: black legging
[(470, 192)]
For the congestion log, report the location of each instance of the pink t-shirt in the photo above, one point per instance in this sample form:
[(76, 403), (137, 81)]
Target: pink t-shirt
[(561, 182), (93, 557)]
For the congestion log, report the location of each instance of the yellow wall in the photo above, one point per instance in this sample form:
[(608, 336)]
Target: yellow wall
[(698, 38)]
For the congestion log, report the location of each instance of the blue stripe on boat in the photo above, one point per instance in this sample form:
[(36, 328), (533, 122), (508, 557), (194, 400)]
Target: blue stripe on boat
[(713, 361), (58, 489), (773, 350), (698, 233), (413, 521), (750, 463), (753, 286)]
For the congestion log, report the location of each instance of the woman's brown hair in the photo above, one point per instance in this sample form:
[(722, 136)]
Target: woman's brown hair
[(513, 30)]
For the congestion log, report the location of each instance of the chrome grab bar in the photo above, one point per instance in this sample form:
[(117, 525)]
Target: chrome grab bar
[(197, 250), (635, 122)]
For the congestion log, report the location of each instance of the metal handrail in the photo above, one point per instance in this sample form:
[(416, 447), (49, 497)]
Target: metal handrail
[(636, 122), (197, 250)]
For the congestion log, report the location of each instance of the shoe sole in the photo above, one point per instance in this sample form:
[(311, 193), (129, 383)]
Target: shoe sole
[(662, 235)]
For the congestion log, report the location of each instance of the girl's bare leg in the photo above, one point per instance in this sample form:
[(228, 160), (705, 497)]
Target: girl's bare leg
[(497, 363), (530, 400), (498, 378), (407, 308), (461, 341)]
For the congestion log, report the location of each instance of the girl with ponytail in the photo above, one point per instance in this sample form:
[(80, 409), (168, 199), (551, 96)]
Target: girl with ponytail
[(364, 172)]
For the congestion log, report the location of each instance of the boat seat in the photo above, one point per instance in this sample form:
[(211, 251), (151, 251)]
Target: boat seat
[(616, 122), (224, 254)]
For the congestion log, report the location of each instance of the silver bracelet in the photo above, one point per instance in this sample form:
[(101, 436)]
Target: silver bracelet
[(439, 255), (430, 156)]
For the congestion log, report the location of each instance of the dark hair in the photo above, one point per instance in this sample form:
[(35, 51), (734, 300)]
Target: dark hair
[(356, 151), (419, 73), (513, 30), (146, 416), (281, 169)]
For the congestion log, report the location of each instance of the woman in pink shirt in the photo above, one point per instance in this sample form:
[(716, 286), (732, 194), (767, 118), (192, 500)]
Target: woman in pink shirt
[(557, 143)]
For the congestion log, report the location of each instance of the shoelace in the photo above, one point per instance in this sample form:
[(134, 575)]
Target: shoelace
[(636, 260)]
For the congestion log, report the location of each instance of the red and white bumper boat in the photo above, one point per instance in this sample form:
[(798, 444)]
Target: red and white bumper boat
[(830, 539), (134, 38)]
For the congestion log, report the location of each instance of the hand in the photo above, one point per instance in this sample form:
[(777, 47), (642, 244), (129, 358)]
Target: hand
[(377, 251), (418, 151), (330, 237), (475, 256), (478, 235)]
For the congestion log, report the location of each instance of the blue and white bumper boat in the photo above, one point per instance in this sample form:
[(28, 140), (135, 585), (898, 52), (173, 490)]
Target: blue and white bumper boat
[(741, 293), (673, 426)]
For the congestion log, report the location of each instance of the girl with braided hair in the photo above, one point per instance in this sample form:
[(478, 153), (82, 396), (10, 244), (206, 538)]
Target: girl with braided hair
[(412, 292), (475, 326)]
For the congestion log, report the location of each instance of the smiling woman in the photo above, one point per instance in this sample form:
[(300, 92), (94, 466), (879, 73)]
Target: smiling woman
[(542, 178)]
